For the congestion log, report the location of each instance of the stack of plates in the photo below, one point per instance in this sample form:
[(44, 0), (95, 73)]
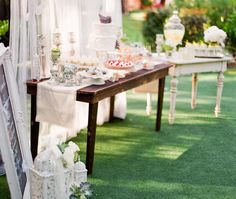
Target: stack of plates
[(95, 76)]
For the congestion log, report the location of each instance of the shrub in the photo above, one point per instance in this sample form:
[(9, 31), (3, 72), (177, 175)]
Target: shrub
[(230, 28), (146, 2), (194, 27), (219, 13), (216, 12), (153, 25), (155, 21)]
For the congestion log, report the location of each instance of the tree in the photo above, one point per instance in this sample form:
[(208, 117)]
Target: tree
[(4, 9)]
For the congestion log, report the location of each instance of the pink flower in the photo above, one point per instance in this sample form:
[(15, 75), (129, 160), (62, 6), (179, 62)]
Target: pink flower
[(158, 5)]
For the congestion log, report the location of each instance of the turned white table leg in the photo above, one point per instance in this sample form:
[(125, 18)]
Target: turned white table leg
[(194, 90), (173, 90), (219, 93), (149, 104)]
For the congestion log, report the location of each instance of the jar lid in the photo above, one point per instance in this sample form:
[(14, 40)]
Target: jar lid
[(174, 21)]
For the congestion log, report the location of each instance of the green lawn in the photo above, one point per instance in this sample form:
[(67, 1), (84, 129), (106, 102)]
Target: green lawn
[(194, 158), (132, 26)]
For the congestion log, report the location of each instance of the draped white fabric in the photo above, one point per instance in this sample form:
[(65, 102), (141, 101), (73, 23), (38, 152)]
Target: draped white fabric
[(30, 18)]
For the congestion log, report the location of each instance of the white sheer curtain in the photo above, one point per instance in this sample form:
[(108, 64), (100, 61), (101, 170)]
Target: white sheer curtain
[(64, 16), (22, 44)]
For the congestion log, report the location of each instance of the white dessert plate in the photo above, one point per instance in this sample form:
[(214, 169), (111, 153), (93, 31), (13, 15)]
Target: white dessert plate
[(91, 75)]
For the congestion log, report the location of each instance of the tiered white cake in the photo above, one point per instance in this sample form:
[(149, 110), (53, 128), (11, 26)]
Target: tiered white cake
[(103, 36)]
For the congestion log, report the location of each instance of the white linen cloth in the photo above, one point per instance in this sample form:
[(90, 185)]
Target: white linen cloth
[(57, 104), (63, 134), (62, 117)]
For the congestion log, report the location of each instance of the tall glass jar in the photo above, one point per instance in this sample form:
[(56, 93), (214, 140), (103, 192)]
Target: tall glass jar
[(174, 30)]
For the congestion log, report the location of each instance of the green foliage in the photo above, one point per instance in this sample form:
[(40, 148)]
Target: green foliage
[(230, 28), (4, 24), (76, 192), (81, 192), (166, 47), (194, 27), (62, 146), (132, 29), (154, 24), (146, 2), (219, 10), (188, 3), (219, 13)]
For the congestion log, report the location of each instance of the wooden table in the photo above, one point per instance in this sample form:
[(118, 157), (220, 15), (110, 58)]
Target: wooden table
[(194, 66), (94, 94)]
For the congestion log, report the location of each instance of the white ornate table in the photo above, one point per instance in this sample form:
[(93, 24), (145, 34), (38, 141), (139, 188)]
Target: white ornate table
[(194, 66)]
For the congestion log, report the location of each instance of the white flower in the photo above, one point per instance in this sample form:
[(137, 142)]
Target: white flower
[(68, 157), (214, 34), (73, 146)]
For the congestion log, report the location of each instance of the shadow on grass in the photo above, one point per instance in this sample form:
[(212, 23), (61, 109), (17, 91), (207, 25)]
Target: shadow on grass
[(194, 158), (189, 157)]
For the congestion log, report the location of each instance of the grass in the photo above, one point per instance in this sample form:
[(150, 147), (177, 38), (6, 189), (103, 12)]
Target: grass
[(132, 25), (194, 158)]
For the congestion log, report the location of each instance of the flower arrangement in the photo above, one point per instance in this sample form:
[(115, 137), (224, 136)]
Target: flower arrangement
[(215, 35), (81, 192), (70, 154)]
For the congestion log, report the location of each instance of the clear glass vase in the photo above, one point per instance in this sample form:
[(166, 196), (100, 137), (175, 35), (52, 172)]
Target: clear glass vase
[(174, 30)]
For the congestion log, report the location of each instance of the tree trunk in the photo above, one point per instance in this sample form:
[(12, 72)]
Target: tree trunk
[(4, 9), (123, 6), (163, 2)]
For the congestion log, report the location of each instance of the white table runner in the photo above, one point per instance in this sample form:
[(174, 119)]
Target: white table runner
[(57, 104)]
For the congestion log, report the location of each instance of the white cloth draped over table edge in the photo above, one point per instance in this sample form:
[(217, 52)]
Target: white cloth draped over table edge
[(23, 44), (57, 105), (81, 118)]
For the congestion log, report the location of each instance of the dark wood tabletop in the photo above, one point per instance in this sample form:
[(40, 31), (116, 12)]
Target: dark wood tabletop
[(98, 92)]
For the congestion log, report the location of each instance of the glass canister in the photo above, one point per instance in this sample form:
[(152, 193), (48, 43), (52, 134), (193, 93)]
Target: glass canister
[(174, 30)]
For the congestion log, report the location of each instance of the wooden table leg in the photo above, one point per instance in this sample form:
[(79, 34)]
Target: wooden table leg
[(161, 88), (112, 106), (173, 90), (194, 91), (219, 93), (91, 135), (34, 130)]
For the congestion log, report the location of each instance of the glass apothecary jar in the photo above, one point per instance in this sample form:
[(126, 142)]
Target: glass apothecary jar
[(174, 30)]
